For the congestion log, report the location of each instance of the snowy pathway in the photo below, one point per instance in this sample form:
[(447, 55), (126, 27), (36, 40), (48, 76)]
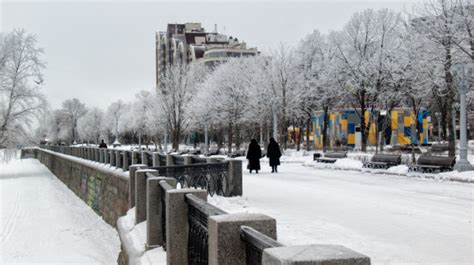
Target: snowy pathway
[(42, 221), (393, 219)]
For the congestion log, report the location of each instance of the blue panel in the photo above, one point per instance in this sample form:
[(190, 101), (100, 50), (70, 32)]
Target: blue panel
[(350, 128)]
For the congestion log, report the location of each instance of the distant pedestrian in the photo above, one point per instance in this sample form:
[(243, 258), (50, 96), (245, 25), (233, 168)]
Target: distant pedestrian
[(253, 155), (102, 144), (274, 153)]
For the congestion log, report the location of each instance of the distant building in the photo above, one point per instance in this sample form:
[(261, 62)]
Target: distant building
[(190, 43)]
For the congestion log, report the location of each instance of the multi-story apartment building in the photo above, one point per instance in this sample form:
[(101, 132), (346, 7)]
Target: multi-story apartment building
[(190, 43)]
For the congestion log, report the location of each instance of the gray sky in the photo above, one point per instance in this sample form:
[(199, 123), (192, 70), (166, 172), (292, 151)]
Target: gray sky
[(100, 52)]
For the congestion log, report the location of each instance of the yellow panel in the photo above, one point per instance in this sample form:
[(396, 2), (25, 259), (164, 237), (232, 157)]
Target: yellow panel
[(366, 116), (344, 126), (372, 136), (394, 118), (351, 139), (401, 138), (407, 121)]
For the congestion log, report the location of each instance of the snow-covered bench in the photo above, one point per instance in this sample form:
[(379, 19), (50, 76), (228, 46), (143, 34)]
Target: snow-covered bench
[(432, 164), (439, 148), (383, 161), (331, 157)]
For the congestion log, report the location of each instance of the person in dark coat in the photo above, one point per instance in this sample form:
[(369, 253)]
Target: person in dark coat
[(273, 152), (102, 144), (253, 155)]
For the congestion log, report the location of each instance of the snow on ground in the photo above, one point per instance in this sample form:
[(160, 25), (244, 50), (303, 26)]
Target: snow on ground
[(42, 221), (134, 238), (394, 220)]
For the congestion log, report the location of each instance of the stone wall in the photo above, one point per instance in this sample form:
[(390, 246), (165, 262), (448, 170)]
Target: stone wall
[(104, 189)]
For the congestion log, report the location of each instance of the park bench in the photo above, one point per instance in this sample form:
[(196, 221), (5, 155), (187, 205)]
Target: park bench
[(331, 157), (432, 164), (383, 161), (237, 153), (439, 148)]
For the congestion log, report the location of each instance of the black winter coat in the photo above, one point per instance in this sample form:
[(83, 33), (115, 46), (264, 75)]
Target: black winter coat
[(273, 152), (253, 155)]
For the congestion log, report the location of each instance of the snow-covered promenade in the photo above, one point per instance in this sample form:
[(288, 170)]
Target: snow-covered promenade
[(392, 219), (42, 221)]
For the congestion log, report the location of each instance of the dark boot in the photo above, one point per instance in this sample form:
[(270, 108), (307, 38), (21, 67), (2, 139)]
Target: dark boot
[(276, 171), (256, 171)]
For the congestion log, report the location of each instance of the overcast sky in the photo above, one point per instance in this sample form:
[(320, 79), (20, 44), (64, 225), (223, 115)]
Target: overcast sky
[(100, 52)]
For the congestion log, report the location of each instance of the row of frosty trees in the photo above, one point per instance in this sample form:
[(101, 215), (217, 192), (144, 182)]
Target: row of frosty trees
[(379, 59)]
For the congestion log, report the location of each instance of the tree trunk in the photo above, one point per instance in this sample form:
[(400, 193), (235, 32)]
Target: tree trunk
[(230, 135), (325, 128), (308, 129), (237, 138)]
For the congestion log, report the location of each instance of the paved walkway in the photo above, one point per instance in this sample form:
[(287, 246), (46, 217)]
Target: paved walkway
[(393, 219), (42, 221)]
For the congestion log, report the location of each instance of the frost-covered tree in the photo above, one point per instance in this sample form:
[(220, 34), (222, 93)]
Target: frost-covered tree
[(317, 77), (21, 77), (443, 22), (284, 87), (91, 125), (177, 86), (113, 117), (365, 51), (74, 109)]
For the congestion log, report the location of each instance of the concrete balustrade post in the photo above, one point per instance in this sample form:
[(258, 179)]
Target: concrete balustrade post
[(131, 183), (118, 160), (225, 245), (96, 154), (233, 183), (154, 213), (125, 164), (169, 160), (156, 159), (313, 255), (101, 155), (144, 157), (140, 194), (177, 228), (106, 156), (112, 157), (135, 158)]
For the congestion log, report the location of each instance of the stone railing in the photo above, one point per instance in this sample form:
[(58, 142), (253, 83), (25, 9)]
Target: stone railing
[(192, 231), (222, 177), (105, 190)]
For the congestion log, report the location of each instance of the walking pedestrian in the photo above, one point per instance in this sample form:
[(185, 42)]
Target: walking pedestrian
[(274, 153), (102, 144), (253, 155)]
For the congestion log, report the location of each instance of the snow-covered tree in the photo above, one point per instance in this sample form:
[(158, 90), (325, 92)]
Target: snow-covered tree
[(177, 86), (74, 109), (443, 22), (365, 51), (317, 77), (113, 117), (21, 77), (91, 125)]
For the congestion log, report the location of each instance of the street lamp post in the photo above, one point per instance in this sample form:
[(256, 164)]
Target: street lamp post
[(463, 74)]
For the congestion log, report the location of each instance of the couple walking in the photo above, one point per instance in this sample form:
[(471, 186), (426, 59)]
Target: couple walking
[(254, 154)]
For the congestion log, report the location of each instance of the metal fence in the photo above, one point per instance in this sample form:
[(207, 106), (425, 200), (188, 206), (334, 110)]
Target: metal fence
[(255, 243), (210, 176), (198, 212)]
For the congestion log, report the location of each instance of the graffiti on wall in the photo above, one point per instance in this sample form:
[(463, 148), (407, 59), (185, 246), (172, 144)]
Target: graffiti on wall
[(91, 187)]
